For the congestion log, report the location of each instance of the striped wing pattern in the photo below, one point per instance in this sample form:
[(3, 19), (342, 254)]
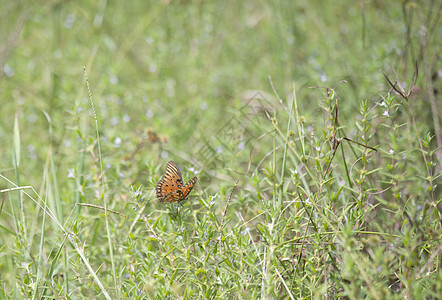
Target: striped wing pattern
[(170, 188)]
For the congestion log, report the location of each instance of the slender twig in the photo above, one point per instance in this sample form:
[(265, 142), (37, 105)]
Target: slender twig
[(225, 211), (337, 141), (102, 208), (103, 186), (406, 96)]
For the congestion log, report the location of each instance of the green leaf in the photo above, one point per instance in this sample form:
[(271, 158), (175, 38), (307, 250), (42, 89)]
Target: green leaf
[(16, 143), (200, 271)]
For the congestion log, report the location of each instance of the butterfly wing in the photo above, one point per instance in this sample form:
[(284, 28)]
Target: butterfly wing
[(188, 187), (171, 180), (172, 197), (180, 194)]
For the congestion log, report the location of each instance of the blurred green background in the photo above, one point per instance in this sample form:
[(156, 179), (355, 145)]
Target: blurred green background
[(180, 67), (200, 82)]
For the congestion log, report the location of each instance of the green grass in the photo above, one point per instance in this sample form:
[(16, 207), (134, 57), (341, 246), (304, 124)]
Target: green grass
[(317, 178)]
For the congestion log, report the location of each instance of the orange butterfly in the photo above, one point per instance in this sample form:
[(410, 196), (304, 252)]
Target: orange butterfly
[(170, 188)]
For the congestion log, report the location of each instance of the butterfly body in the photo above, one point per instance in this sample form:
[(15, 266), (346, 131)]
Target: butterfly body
[(171, 188)]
